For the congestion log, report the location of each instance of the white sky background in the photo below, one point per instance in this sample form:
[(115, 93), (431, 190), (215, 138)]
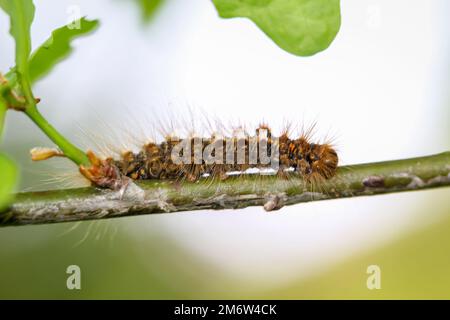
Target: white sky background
[(381, 88)]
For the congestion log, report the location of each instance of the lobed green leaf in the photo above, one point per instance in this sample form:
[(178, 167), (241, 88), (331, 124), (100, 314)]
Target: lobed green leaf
[(58, 47), (21, 15)]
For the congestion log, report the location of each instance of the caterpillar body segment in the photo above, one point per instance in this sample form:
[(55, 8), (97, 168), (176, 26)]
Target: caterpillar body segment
[(216, 157)]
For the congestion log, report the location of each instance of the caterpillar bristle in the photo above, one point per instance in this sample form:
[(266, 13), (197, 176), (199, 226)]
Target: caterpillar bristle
[(312, 161), (144, 156)]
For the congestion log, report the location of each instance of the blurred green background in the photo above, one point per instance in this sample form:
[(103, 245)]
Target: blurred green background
[(386, 69), (116, 265)]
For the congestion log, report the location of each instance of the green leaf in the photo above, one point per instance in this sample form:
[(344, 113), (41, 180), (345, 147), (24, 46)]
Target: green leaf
[(301, 27), (21, 15), (58, 47), (148, 8), (8, 181)]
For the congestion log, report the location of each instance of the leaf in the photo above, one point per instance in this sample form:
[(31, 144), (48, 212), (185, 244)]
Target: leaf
[(8, 181), (58, 47), (301, 27), (21, 15), (148, 8)]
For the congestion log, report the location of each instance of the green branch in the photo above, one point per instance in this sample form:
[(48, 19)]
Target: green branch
[(70, 151), (3, 109), (251, 190)]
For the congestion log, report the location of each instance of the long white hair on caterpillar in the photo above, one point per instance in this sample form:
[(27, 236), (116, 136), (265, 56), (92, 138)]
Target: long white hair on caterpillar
[(192, 146)]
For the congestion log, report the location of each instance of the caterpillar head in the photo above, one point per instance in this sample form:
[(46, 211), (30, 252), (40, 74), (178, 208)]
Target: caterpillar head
[(323, 160), (103, 173)]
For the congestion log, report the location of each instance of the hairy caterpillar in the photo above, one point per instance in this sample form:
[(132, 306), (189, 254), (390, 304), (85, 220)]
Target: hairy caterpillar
[(215, 157)]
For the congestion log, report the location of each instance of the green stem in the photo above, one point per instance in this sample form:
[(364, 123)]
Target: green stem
[(69, 150), (3, 108)]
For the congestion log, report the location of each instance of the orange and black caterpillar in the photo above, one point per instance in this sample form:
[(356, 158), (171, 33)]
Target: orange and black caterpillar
[(312, 161)]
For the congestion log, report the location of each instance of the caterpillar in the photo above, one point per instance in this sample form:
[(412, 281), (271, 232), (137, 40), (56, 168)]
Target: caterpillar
[(216, 157)]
